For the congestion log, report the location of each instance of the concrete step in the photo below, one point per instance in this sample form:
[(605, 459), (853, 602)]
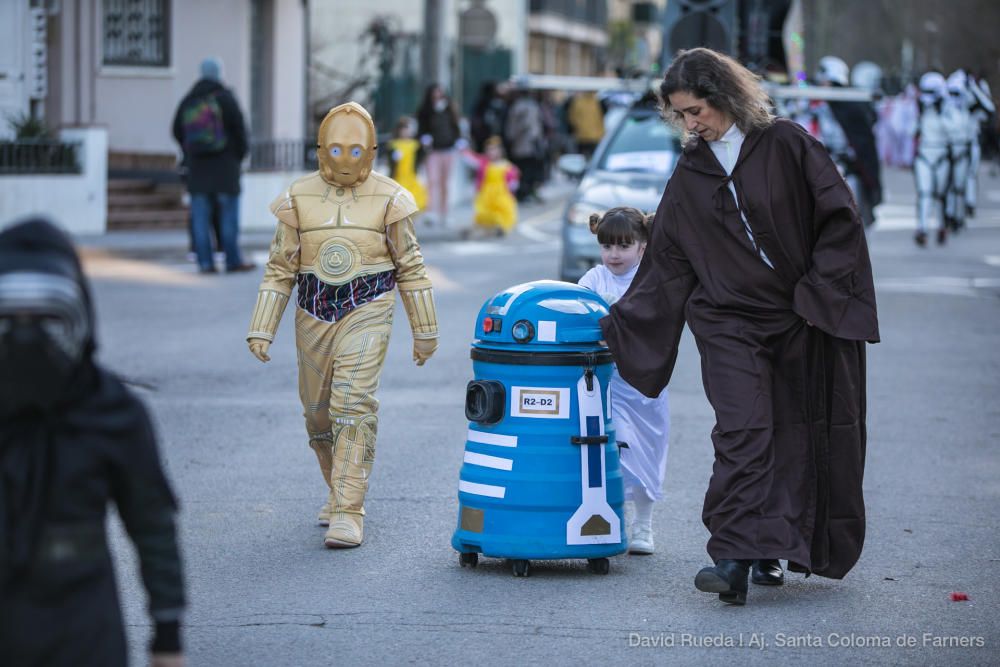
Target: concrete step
[(157, 199), (145, 218), (130, 185)]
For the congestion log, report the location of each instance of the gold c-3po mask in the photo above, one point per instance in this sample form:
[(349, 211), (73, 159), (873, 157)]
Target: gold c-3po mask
[(347, 144)]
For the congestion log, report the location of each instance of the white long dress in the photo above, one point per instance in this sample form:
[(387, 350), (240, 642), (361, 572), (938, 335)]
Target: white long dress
[(643, 423)]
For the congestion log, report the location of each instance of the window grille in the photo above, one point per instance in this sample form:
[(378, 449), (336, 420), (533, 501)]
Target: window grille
[(136, 32), (40, 156)]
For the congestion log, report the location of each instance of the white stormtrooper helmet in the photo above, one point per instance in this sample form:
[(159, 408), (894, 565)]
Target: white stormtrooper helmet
[(867, 75), (832, 69), (932, 87), (958, 87)]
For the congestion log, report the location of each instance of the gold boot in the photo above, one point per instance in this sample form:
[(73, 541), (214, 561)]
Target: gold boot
[(345, 531), (323, 446), (353, 455)]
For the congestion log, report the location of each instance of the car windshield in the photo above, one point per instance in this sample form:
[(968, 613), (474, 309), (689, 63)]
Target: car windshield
[(644, 143)]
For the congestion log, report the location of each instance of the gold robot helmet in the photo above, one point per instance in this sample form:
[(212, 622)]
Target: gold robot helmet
[(347, 144)]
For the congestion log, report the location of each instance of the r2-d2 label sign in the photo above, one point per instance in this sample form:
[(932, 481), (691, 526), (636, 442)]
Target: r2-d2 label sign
[(539, 402)]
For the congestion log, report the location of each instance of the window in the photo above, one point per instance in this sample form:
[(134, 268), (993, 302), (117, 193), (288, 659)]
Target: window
[(136, 33), (642, 143)]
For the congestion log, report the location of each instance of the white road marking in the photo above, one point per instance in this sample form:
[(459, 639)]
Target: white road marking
[(904, 216), (481, 249), (941, 285), (467, 248), (530, 232)]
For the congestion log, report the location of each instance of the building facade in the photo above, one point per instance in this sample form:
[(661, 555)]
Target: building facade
[(97, 82), (373, 51), (567, 37), (125, 64)]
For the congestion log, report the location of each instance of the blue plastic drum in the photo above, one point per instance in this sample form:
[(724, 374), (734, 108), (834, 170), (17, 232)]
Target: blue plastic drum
[(541, 477)]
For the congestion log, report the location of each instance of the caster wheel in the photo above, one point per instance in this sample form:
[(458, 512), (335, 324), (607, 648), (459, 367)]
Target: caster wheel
[(468, 559), (521, 568), (598, 565)]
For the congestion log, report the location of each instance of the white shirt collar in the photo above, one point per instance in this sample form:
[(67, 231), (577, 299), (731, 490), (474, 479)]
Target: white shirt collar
[(732, 135), (727, 148)]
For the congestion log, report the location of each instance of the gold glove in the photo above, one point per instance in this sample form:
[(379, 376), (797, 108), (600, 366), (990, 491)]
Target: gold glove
[(259, 348), (423, 348), (418, 301), (267, 314)]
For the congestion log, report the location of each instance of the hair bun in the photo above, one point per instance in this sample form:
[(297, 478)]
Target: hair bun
[(647, 221), (595, 220)]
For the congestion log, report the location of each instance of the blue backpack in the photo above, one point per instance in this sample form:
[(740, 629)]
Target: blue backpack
[(203, 130)]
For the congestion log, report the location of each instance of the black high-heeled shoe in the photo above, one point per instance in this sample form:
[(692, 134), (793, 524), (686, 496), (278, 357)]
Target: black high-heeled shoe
[(728, 578), (767, 572)]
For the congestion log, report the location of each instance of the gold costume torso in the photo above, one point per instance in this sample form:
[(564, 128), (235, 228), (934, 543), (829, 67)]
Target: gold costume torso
[(342, 231), (339, 235)]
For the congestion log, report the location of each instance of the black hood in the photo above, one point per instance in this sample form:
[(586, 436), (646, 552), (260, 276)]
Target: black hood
[(204, 87), (36, 245)]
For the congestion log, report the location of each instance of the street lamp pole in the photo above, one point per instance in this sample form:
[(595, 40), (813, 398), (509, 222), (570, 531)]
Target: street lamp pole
[(433, 45)]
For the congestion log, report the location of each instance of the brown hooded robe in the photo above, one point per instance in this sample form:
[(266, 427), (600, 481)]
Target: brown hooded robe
[(789, 398)]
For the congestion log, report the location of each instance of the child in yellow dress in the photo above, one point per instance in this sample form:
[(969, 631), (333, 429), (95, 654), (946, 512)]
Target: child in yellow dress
[(405, 154), (496, 178)]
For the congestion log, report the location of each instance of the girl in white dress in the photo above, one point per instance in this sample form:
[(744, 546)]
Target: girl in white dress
[(643, 423)]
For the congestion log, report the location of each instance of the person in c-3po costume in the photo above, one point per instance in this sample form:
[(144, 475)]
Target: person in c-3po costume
[(345, 238)]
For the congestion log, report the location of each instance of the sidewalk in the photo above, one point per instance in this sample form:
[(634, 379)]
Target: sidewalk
[(172, 244)]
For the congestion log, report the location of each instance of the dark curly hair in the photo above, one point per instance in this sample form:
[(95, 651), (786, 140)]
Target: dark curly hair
[(722, 82)]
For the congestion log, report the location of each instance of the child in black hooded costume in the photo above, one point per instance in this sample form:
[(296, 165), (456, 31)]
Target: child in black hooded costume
[(72, 438)]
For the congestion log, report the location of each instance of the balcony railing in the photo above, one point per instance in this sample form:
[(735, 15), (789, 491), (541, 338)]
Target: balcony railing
[(593, 12), (282, 155), (39, 156)]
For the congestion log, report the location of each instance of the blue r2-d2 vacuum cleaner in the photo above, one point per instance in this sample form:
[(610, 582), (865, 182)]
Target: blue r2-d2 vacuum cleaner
[(541, 477)]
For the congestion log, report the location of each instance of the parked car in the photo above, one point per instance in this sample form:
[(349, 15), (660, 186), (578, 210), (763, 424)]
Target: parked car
[(630, 167)]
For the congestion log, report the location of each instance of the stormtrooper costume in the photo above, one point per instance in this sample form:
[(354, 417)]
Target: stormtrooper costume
[(958, 125), (932, 165), (854, 149), (981, 109), (833, 70), (345, 240)]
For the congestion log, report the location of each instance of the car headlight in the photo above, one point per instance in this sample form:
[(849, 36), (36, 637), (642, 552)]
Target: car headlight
[(580, 212)]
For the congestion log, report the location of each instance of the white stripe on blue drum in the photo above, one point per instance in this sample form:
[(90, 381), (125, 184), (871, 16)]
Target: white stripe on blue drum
[(492, 438), (481, 489), (488, 461)]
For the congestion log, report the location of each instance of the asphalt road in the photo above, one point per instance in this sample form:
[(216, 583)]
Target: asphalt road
[(264, 590)]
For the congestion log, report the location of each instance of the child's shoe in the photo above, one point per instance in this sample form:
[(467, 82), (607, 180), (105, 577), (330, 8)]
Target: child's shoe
[(345, 531), (641, 542)]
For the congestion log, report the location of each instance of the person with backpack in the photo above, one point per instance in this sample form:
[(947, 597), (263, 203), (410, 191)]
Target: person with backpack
[(209, 127)]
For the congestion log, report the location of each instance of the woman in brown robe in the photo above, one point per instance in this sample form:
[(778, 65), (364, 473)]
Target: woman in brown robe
[(758, 245)]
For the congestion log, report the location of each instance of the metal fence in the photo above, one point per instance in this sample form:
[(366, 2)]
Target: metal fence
[(39, 156), (282, 155)]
